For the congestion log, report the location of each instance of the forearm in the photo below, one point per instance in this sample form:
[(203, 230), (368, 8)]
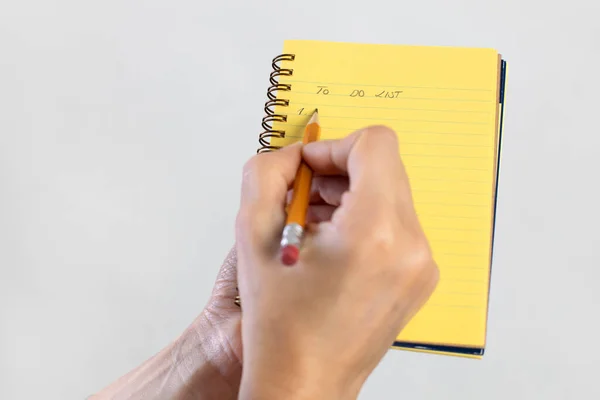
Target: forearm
[(190, 368)]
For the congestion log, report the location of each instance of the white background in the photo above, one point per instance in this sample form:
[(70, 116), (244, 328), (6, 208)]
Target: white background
[(123, 129)]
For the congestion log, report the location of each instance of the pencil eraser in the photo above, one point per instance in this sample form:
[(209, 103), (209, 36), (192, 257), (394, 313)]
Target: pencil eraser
[(289, 255)]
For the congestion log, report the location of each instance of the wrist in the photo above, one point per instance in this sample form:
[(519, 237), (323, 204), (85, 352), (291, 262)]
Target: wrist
[(206, 360), (269, 391), (275, 384), (188, 368)]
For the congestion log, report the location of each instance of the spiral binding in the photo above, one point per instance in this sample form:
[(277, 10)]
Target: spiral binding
[(264, 139), (267, 122)]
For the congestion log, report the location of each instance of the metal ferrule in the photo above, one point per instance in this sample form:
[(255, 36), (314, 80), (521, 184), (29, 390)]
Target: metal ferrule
[(292, 235)]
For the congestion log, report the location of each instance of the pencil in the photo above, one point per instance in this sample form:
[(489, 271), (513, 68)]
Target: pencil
[(298, 207)]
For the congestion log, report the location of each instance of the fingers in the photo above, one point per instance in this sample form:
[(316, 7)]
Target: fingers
[(265, 183), (326, 190), (319, 213), (329, 189), (369, 157), (371, 160)]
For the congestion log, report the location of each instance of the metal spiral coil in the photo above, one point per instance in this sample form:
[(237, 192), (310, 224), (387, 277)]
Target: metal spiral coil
[(264, 138)]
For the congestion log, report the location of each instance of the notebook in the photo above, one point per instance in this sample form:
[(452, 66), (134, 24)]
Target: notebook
[(446, 105)]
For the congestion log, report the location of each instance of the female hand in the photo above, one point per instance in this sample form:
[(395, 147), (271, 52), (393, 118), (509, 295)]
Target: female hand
[(317, 330)]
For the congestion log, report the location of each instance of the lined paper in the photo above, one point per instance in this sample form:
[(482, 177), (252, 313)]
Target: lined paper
[(442, 102)]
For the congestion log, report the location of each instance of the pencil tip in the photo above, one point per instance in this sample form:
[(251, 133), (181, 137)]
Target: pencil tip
[(315, 117)]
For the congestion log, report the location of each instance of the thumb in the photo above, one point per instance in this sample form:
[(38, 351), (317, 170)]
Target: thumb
[(226, 282), (221, 302), (266, 180)]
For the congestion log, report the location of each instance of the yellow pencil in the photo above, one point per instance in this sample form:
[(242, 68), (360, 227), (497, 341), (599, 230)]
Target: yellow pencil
[(296, 218), (298, 207)]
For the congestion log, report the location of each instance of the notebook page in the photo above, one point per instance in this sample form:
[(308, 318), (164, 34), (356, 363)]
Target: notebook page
[(442, 103)]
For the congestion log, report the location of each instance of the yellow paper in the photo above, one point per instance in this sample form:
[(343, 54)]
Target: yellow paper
[(442, 102)]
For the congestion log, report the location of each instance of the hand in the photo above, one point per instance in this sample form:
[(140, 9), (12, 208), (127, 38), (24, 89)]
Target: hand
[(317, 330), (217, 330), (203, 363)]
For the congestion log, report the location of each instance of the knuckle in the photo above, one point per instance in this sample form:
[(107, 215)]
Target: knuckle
[(380, 239), (383, 240), (382, 133), (419, 260)]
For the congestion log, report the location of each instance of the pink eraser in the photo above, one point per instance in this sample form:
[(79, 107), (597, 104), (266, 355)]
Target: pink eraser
[(289, 255)]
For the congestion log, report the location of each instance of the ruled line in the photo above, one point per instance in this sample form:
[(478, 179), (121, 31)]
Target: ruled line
[(461, 293), (390, 108), (325, 117), (450, 216), (463, 267), (455, 229), (455, 306), (443, 156), (416, 190), (484, 146), (398, 131), (382, 85), (399, 98), (460, 255), (402, 142), (490, 169), (479, 281), (451, 241), (413, 177), (452, 204)]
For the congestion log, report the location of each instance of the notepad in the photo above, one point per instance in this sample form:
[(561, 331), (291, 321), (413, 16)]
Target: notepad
[(446, 105)]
